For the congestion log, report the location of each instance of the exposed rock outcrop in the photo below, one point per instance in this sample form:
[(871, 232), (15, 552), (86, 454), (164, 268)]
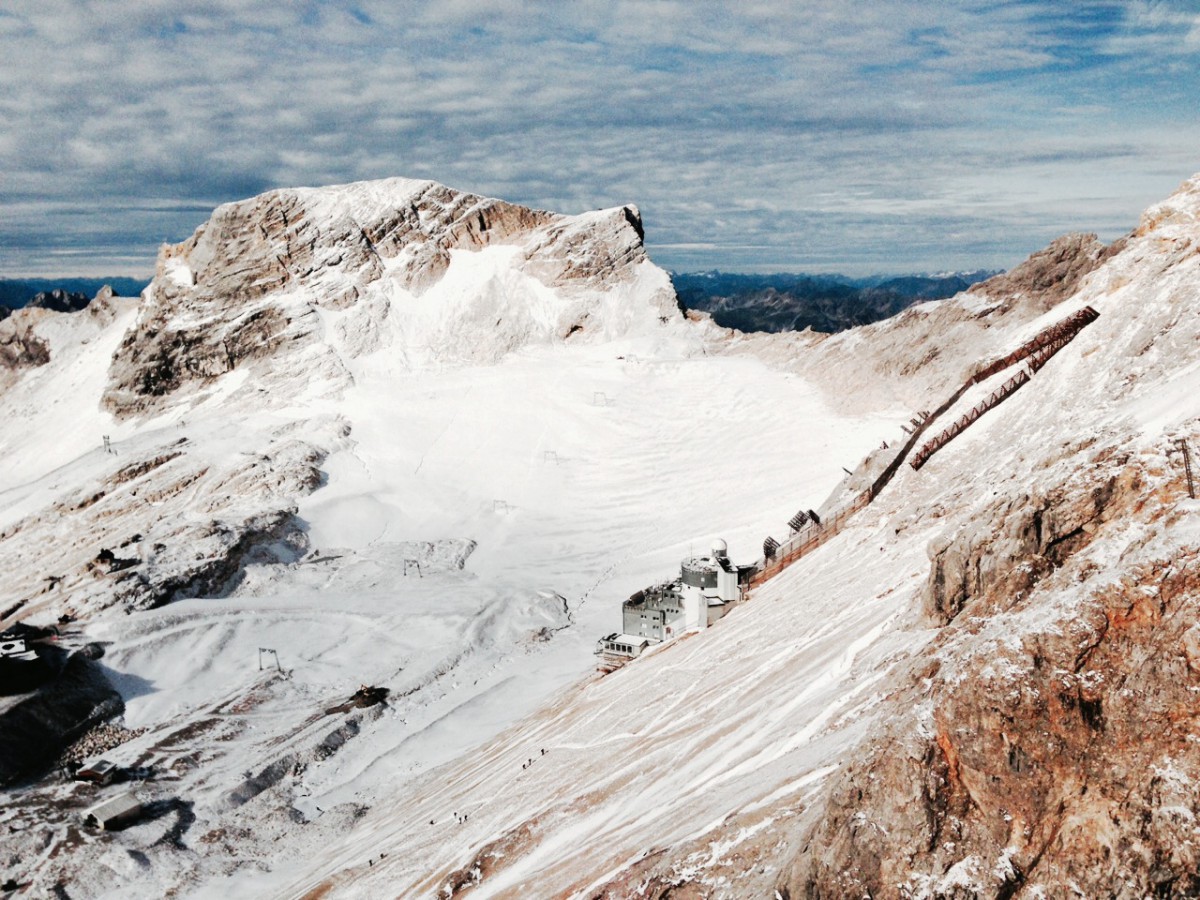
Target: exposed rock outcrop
[(20, 346), (1051, 275), (207, 559), (25, 341), (1001, 554), (1046, 737), (1061, 756), (1043, 743), (169, 525), (270, 273), (35, 730)]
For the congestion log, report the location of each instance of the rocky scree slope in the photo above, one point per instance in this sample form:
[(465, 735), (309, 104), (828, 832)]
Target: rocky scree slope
[(984, 687)]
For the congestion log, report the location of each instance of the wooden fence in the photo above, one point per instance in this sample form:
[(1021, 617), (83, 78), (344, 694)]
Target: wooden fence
[(1038, 351), (807, 539), (994, 399)]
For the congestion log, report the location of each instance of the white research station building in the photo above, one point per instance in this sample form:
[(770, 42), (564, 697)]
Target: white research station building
[(705, 589)]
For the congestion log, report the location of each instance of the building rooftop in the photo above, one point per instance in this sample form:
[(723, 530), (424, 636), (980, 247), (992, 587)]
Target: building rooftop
[(708, 564), (651, 596), (634, 639)]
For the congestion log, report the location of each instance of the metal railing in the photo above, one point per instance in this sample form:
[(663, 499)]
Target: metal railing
[(1068, 328), (994, 399)]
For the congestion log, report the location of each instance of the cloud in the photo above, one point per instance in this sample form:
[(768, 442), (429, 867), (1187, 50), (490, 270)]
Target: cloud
[(896, 135)]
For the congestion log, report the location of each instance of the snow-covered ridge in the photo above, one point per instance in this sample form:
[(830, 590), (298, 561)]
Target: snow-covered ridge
[(311, 278)]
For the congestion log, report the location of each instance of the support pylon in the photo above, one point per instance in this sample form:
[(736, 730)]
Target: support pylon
[(1187, 466)]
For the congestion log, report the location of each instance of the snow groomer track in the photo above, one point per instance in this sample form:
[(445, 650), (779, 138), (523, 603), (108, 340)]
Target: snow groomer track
[(1038, 350)]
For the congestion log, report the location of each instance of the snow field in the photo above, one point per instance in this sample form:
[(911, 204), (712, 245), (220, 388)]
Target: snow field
[(744, 714), (601, 496)]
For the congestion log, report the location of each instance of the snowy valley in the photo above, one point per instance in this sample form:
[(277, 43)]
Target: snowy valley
[(389, 434)]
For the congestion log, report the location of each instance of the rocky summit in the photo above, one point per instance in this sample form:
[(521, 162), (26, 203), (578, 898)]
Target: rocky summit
[(344, 270)]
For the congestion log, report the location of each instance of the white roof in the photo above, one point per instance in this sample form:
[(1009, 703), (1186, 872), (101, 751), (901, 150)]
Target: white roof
[(12, 646), (634, 639), (98, 765), (122, 803)]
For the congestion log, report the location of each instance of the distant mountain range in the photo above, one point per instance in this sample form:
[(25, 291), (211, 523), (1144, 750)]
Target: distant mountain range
[(826, 303), (18, 292), (777, 302)]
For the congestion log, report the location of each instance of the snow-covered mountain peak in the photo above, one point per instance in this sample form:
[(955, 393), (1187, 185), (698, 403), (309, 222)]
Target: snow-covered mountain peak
[(324, 275)]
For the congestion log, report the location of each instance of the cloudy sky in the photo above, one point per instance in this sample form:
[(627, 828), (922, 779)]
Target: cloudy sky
[(886, 135)]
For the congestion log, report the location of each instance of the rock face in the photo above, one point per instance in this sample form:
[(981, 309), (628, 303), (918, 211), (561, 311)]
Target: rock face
[(1050, 740), (38, 727), (1050, 276), (25, 334), (20, 346), (1008, 550), (272, 272)]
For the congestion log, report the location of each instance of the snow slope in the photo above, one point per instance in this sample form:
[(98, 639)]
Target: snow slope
[(711, 763), (538, 475)]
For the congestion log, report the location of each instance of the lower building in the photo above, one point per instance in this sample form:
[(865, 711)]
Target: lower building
[(114, 814)]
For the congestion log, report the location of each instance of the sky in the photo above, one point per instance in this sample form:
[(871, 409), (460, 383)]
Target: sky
[(820, 136)]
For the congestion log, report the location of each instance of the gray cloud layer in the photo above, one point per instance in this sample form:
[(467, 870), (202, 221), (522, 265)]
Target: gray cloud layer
[(897, 135)]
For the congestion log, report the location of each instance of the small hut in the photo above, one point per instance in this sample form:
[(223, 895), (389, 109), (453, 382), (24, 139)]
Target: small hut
[(99, 772), (114, 814)]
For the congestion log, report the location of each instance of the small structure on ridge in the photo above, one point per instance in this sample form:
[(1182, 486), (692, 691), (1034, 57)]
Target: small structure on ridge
[(114, 814)]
